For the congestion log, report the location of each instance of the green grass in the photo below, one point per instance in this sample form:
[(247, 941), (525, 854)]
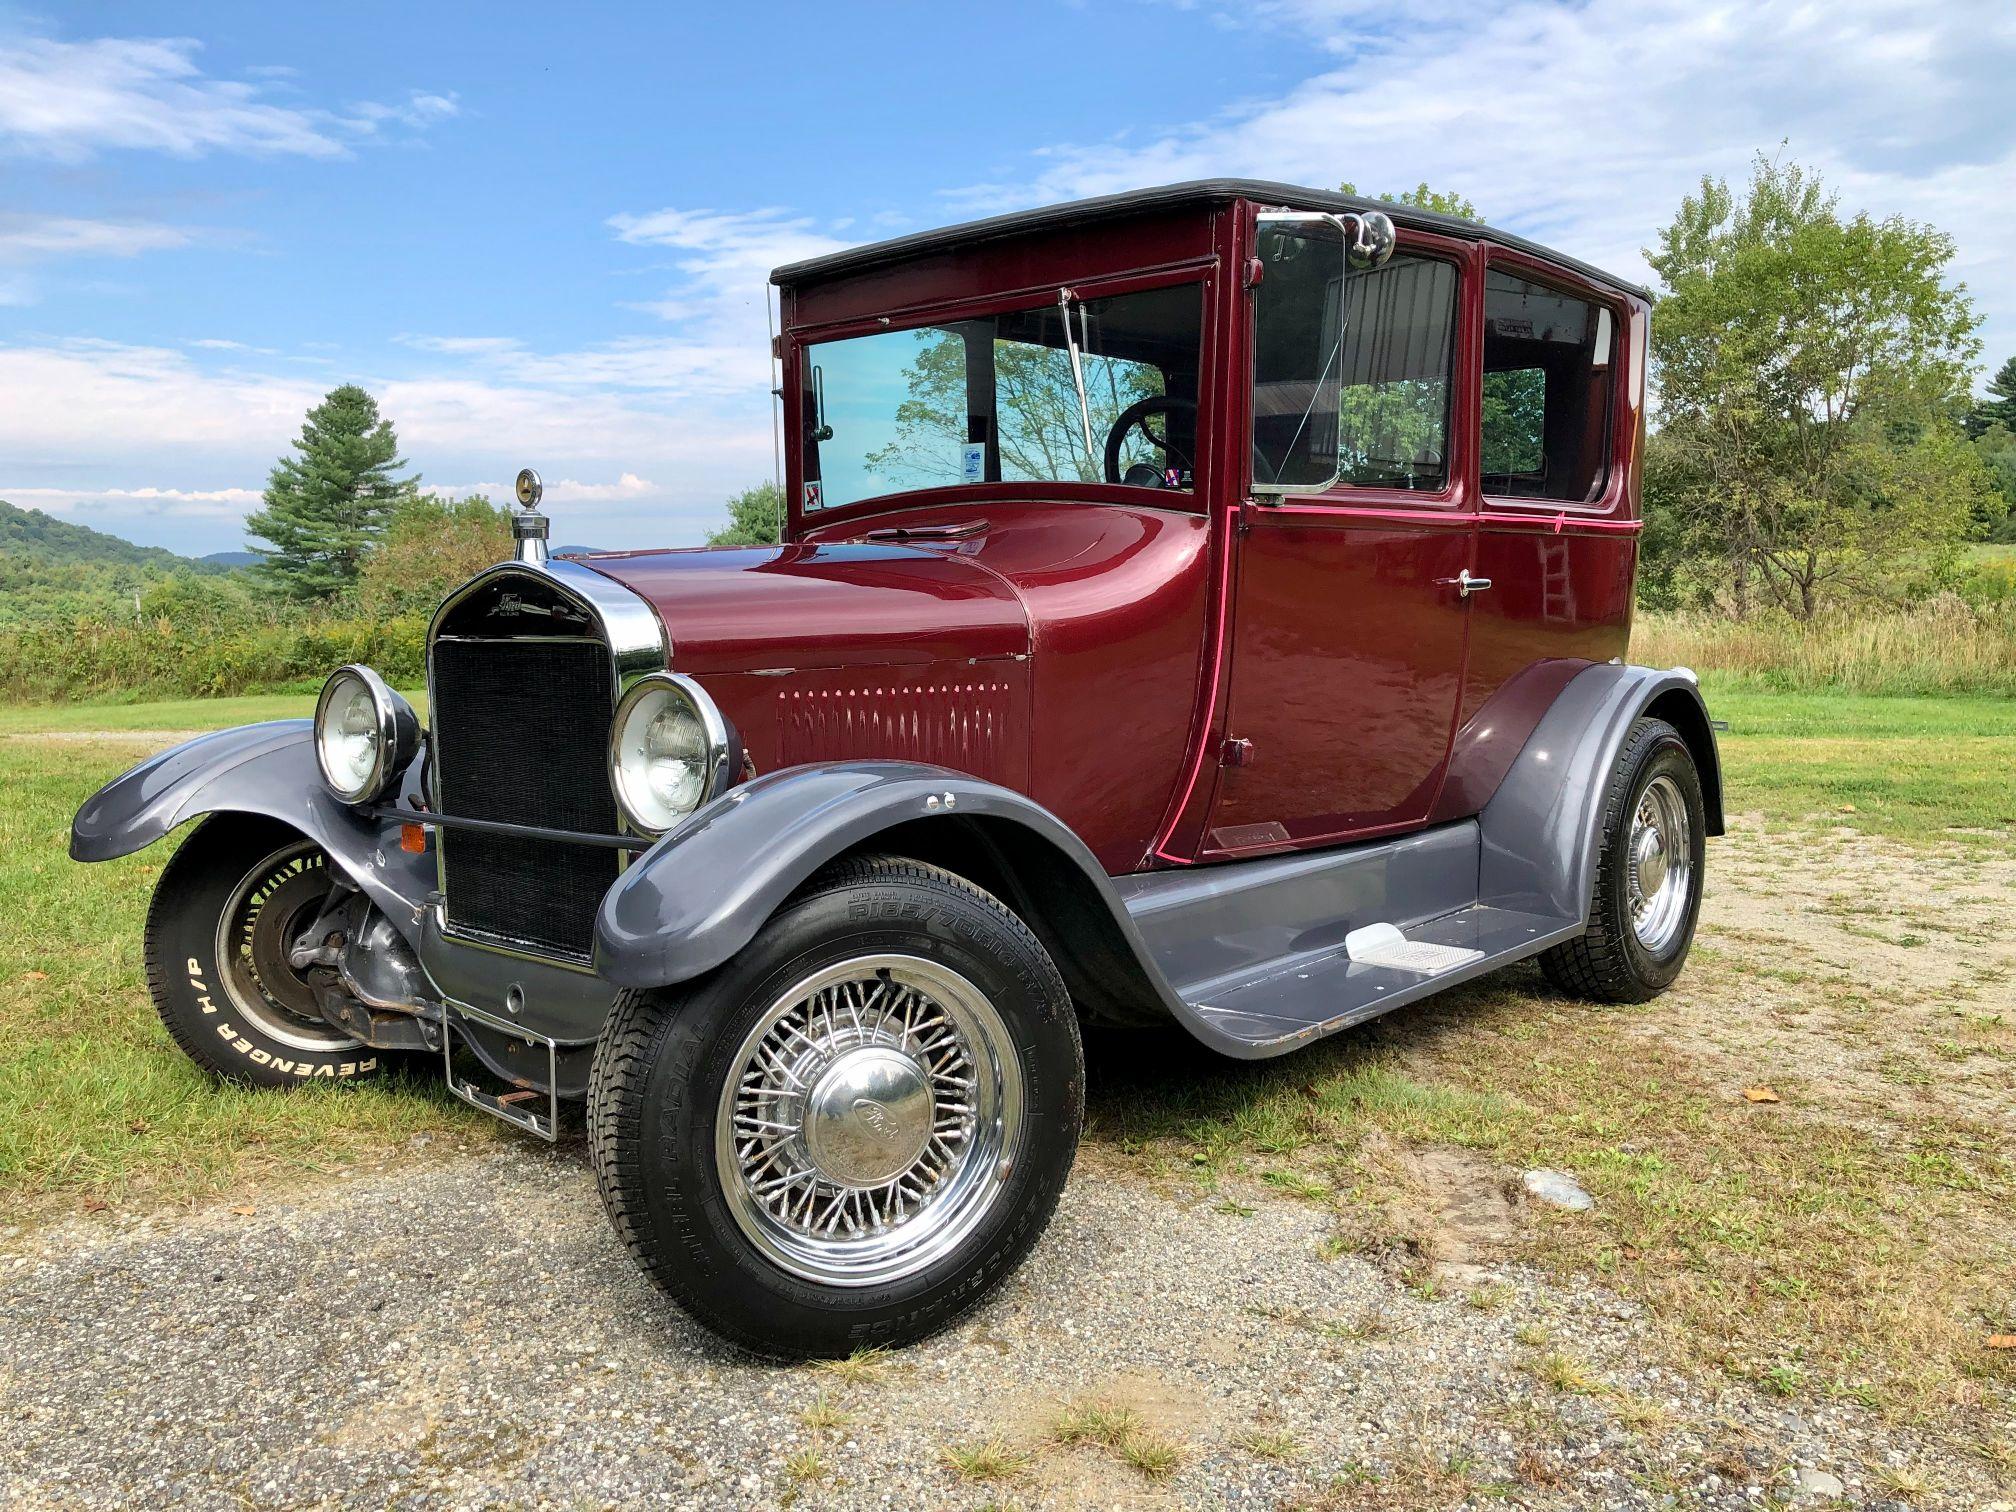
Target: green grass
[(165, 714), (1911, 768), (100, 1106)]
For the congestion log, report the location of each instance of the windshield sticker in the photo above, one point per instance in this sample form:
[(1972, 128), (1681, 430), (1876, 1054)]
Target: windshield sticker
[(811, 495), (973, 462)]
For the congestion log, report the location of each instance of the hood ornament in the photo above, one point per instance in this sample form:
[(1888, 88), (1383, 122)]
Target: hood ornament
[(528, 526)]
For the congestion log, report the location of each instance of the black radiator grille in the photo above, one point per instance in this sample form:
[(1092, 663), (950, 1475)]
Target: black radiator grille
[(521, 735)]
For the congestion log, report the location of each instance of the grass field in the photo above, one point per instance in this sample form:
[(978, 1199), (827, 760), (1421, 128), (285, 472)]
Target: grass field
[(1848, 1242)]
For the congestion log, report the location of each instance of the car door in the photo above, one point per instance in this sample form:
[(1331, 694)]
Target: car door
[(1349, 621), (1558, 528)]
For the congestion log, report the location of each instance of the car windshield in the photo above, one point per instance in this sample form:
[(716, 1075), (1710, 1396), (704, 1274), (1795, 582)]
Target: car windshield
[(997, 400)]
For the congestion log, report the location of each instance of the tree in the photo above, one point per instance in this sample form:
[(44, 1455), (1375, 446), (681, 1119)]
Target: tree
[(1996, 447), (1421, 197), (2000, 407), (755, 518), (1810, 369), (1039, 429), (328, 507), (431, 545)]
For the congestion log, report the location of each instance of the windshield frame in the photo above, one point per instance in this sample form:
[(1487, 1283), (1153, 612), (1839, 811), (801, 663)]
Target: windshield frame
[(1198, 272)]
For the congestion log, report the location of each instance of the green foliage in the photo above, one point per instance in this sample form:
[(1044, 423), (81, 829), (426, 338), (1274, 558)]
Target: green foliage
[(1811, 367), (31, 533), (755, 518), (1039, 430), (431, 544), (1421, 197), (328, 507), (1996, 447), (52, 569), (1999, 408)]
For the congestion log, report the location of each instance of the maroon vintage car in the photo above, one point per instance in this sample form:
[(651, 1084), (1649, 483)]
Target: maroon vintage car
[(1201, 607)]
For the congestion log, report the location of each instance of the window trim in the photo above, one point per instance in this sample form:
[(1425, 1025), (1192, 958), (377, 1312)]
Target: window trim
[(1201, 272), (1616, 469), (1456, 496)]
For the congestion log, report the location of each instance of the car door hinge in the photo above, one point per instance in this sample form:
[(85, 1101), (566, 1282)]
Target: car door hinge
[(1236, 752)]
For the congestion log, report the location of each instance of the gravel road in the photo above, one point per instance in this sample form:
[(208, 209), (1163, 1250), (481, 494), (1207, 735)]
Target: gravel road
[(465, 1332)]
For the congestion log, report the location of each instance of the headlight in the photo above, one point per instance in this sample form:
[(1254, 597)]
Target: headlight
[(365, 734), (670, 750)]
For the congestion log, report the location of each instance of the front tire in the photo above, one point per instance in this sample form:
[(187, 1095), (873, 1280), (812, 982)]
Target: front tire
[(1647, 896), (228, 905), (852, 1132)]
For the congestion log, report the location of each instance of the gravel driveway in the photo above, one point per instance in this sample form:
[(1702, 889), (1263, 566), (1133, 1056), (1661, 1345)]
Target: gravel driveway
[(468, 1334)]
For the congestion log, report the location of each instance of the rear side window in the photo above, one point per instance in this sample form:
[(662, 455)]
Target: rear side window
[(1548, 359)]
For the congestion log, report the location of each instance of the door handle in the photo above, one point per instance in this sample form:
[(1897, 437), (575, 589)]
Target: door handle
[(1464, 583)]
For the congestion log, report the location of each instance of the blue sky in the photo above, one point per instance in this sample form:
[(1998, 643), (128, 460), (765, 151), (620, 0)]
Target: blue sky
[(540, 233)]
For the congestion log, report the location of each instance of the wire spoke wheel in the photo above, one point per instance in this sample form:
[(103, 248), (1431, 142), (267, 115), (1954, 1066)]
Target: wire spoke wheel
[(1659, 866), (868, 1120), (271, 904)]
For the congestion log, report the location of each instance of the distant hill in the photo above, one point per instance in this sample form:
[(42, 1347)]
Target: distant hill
[(228, 559), (30, 532)]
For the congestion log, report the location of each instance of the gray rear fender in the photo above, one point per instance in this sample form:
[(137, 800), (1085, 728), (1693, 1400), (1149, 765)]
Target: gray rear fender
[(1542, 831), (265, 769)]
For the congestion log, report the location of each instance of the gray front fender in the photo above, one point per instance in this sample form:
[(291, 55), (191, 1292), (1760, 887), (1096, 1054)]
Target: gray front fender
[(700, 894), (266, 769)]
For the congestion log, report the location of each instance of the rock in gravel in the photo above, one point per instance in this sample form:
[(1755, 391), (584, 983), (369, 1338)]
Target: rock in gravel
[(1817, 1485), (1558, 1189)]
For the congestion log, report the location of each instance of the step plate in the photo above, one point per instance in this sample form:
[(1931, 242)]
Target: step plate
[(1306, 997)]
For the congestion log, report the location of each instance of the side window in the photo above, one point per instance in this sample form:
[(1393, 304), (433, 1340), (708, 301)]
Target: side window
[(1400, 325), (1547, 376), (1374, 412)]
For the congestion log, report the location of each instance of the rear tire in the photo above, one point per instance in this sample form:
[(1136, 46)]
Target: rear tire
[(227, 904), (1647, 896), (853, 1131)]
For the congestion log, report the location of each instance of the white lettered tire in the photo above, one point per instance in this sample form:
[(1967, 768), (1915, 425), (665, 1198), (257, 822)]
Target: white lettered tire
[(227, 904)]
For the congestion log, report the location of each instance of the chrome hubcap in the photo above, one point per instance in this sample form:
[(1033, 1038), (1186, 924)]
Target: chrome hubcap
[(270, 905), (869, 1120), (1660, 872), (869, 1117)]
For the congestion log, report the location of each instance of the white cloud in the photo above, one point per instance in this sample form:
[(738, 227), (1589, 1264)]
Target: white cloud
[(115, 429), (563, 490), (1584, 125), (183, 503), (70, 100), (25, 238), (461, 346)]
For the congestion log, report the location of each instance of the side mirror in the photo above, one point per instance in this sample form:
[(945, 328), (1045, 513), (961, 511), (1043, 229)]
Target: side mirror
[(1372, 239)]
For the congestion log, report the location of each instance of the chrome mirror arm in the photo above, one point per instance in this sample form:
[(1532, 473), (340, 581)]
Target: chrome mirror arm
[(1077, 370)]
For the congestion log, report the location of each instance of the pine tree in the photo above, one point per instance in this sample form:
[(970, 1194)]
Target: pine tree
[(1999, 408), (328, 507)]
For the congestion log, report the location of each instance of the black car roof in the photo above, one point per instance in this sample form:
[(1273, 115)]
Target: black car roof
[(1193, 191)]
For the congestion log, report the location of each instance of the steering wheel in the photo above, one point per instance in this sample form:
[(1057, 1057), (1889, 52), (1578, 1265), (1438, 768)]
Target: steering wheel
[(1136, 417)]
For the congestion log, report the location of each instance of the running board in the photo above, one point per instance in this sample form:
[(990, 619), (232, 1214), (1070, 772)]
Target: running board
[(1267, 955), (1306, 997)]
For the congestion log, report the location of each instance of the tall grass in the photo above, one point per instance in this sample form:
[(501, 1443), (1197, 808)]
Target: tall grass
[(50, 662), (1943, 645)]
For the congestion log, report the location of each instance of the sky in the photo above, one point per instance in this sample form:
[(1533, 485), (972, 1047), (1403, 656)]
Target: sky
[(540, 235)]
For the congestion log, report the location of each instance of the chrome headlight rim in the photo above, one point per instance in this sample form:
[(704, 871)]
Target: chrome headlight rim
[(722, 762), (396, 728)]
